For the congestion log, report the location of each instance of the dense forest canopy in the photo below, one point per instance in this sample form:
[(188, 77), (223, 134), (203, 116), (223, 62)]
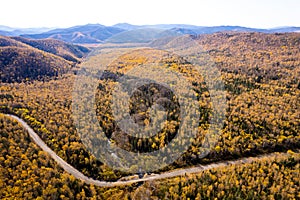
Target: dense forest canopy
[(23, 59), (261, 79)]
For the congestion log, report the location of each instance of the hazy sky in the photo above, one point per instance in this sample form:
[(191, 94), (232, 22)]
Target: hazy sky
[(65, 13)]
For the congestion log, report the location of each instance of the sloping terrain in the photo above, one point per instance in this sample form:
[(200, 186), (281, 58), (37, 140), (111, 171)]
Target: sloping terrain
[(261, 77), (90, 33), (65, 50), (7, 41), (97, 33), (142, 35), (9, 31), (19, 64), (23, 59)]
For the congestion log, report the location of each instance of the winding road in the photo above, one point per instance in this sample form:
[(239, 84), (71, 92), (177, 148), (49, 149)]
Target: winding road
[(178, 172)]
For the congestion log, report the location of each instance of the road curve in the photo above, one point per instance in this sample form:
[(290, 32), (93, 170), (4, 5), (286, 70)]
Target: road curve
[(178, 172)]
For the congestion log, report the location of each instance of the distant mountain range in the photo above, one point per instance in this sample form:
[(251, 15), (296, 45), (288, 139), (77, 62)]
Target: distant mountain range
[(9, 31), (127, 33)]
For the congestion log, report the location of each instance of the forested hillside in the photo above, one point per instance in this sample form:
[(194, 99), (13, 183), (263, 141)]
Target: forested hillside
[(23, 59), (65, 50), (261, 77)]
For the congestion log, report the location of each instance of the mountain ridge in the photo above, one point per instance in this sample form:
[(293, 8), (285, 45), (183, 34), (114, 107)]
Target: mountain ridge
[(22, 59), (97, 33)]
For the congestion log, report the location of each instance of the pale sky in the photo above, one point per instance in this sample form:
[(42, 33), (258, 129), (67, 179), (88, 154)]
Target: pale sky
[(66, 13)]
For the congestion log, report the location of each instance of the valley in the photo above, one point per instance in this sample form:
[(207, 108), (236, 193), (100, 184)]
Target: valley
[(256, 152)]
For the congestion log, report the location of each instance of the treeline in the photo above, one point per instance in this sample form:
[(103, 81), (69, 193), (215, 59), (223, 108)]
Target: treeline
[(262, 115)]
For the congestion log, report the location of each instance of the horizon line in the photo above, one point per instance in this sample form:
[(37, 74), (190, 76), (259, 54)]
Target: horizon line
[(198, 26)]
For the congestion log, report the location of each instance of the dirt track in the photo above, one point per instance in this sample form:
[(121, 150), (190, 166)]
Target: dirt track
[(178, 172)]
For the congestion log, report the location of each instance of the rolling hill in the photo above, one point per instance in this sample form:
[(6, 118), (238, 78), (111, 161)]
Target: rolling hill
[(22, 59), (141, 35), (124, 32), (9, 31), (261, 78), (90, 33), (65, 50)]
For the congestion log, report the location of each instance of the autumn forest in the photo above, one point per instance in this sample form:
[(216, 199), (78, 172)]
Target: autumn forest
[(260, 76)]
